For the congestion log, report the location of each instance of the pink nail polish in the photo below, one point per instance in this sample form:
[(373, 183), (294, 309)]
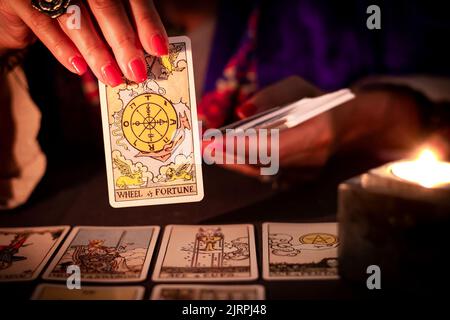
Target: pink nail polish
[(79, 64), (112, 75), (160, 45), (138, 69)]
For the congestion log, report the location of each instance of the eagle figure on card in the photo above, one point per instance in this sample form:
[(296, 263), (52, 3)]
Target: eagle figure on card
[(129, 178), (182, 172)]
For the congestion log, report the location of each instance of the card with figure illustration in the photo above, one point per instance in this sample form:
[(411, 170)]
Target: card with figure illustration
[(24, 252), (300, 251), (106, 254), (61, 292), (207, 253), (151, 134), (207, 292)]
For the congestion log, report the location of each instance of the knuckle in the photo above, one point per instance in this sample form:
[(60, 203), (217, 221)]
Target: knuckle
[(11, 19), (93, 49), (147, 19), (39, 22), (59, 47), (126, 40), (102, 4)]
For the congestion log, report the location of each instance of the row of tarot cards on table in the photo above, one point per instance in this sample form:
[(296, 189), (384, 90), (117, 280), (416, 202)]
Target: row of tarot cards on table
[(188, 253)]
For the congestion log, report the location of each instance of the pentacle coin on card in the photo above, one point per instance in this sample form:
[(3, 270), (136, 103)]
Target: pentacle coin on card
[(318, 238), (149, 122)]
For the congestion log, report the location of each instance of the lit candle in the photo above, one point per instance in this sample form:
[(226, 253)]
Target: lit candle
[(426, 170), (388, 216)]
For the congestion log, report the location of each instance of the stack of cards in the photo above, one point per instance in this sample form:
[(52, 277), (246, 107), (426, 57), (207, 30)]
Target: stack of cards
[(292, 114)]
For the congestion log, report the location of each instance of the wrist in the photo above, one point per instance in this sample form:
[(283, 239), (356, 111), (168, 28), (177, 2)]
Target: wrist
[(379, 117)]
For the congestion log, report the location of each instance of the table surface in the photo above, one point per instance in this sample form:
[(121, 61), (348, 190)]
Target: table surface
[(79, 197)]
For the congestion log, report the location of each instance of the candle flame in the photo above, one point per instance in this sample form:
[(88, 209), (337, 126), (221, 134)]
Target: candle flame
[(427, 156), (426, 170)]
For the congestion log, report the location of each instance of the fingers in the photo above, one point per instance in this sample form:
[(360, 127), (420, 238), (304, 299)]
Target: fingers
[(251, 152), (121, 37), (150, 29), (93, 48), (79, 48), (49, 32)]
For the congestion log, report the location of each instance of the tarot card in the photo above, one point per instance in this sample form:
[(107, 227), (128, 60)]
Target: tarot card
[(207, 292), (300, 251), (207, 253), (25, 251), (106, 254), (61, 292), (151, 136)]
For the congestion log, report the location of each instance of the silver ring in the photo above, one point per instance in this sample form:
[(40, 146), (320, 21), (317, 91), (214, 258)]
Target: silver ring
[(51, 8)]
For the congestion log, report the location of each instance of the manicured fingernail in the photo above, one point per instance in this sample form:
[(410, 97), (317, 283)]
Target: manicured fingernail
[(112, 75), (138, 69), (79, 64), (159, 44), (246, 110)]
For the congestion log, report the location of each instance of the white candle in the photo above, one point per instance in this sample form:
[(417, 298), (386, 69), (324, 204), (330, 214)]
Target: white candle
[(426, 170)]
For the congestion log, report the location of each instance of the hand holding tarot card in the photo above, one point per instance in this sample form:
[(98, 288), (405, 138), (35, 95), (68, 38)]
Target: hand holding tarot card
[(151, 135)]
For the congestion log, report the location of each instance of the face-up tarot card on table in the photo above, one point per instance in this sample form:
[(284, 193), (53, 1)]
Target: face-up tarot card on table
[(207, 253), (61, 292), (207, 292), (106, 254), (300, 251), (25, 251)]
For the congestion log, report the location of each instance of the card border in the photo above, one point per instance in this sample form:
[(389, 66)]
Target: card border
[(196, 143), (261, 290), (37, 272), (163, 247), (140, 291), (145, 267), (265, 255)]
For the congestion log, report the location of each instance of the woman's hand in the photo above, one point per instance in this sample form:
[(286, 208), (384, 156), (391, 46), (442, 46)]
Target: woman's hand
[(377, 121), (115, 47), (304, 146)]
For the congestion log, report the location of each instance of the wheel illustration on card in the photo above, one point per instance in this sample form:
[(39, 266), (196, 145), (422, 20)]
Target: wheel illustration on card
[(149, 122)]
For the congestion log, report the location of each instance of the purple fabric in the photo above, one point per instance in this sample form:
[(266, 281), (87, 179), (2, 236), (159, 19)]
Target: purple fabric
[(328, 43)]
